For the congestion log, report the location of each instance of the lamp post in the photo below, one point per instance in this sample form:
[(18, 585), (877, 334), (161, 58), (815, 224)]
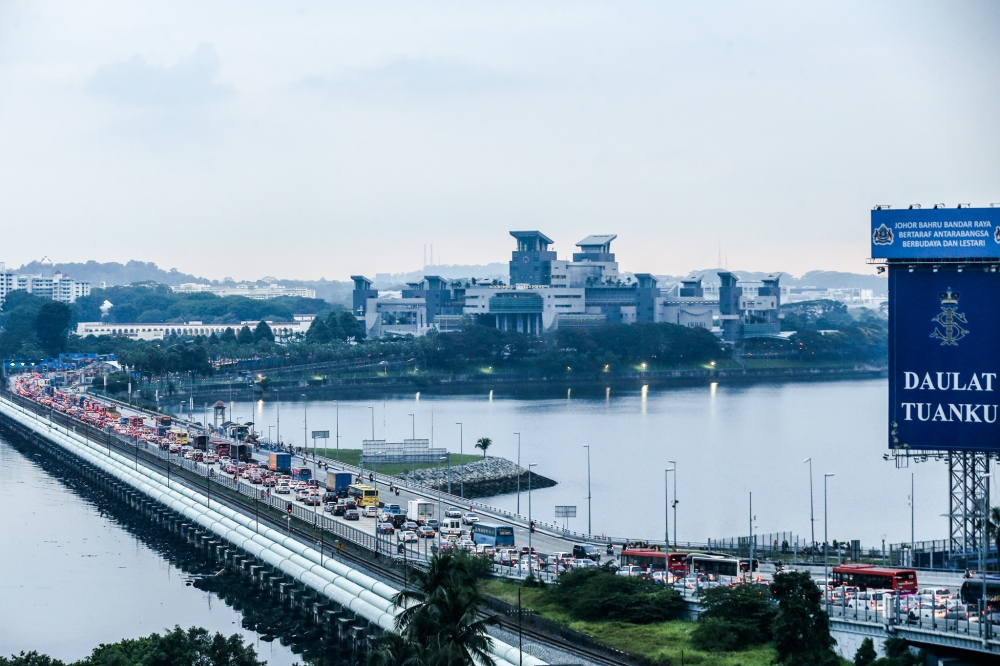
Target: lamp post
[(590, 530), (461, 451), (912, 518), (305, 428), (812, 515), (666, 508), (674, 470), (530, 531), (518, 473), (337, 403), (277, 409), (269, 440), (413, 426), (826, 559)]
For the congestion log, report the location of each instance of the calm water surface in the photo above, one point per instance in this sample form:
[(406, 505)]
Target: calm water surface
[(73, 577), (727, 441)]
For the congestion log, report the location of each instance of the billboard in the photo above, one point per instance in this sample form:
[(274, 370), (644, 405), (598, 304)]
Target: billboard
[(936, 233), (944, 358)]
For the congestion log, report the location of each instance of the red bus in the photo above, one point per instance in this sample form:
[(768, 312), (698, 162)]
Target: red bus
[(867, 577), (656, 560)]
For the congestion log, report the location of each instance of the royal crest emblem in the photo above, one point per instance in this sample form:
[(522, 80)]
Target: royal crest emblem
[(949, 330), (883, 235), (996, 234)]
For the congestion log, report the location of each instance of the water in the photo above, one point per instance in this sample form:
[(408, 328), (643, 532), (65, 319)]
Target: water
[(727, 441), (77, 574)]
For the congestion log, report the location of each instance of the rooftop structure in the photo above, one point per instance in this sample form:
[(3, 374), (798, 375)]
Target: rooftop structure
[(246, 290)]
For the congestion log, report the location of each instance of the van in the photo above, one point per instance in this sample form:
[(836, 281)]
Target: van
[(451, 526), (586, 551)]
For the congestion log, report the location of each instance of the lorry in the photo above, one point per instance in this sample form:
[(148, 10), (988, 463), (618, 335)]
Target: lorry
[(280, 462), (338, 482), (221, 447), (419, 511), (200, 442)]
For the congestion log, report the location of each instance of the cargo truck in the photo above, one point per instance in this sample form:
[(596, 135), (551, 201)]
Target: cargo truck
[(200, 442), (419, 511), (280, 462), (240, 452), (337, 482), (221, 448)]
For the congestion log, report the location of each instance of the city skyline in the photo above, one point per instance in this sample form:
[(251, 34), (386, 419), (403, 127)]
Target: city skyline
[(320, 141)]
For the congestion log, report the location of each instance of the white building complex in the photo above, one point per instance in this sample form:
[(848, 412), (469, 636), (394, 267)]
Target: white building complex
[(281, 329), (60, 287), (245, 290)]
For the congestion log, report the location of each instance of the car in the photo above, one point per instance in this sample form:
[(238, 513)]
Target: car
[(406, 536), (560, 556), (352, 514), (329, 497), (386, 528), (583, 563), (587, 551), (426, 532), (453, 512), (470, 519), (301, 495), (371, 511), (630, 570), (339, 508), (313, 499), (466, 544), (410, 526), (283, 488), (328, 507), (270, 482), (433, 523)]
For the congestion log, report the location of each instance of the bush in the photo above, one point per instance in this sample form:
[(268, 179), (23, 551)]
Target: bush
[(595, 594), (734, 618)]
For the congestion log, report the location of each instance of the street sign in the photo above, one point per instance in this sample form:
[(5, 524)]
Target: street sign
[(944, 365), (565, 512), (936, 233), (321, 434)]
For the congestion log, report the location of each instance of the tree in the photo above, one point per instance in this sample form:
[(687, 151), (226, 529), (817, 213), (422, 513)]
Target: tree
[(801, 628), (897, 653), (263, 332), (441, 618), (30, 659), (734, 618), (598, 594), (52, 326), (228, 336), (333, 324), (213, 339), (866, 654), (350, 326), (319, 332), (484, 443), (245, 336)]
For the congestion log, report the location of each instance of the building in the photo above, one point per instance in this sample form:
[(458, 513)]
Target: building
[(546, 293), (255, 292), (281, 329), (60, 287)]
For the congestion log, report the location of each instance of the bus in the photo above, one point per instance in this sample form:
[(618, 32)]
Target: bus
[(363, 494), (867, 577), (179, 437), (498, 536), (716, 565), (655, 560), (972, 592)]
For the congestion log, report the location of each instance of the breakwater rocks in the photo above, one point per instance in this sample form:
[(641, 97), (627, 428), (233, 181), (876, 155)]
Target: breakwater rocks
[(483, 478)]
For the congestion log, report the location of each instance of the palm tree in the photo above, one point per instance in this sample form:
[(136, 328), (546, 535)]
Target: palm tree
[(484, 443), (440, 615)]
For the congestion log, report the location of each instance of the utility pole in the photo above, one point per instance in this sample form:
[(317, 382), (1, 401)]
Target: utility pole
[(305, 428), (812, 516), (590, 530), (826, 559), (518, 473), (913, 519), (461, 452), (666, 509), (674, 470)]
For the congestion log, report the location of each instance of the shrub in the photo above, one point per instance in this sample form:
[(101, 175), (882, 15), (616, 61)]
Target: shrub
[(733, 618), (595, 594)]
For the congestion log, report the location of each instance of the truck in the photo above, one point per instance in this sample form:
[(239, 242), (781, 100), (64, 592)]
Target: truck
[(419, 511), (280, 462), (200, 442), (221, 447), (337, 482)]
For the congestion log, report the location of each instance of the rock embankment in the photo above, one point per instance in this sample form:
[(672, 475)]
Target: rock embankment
[(483, 478)]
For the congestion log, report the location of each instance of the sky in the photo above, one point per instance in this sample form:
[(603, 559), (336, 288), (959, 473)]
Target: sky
[(307, 140)]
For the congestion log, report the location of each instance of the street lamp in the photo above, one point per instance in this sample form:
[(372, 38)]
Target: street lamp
[(674, 470), (277, 408), (666, 508), (530, 524), (826, 559), (305, 428), (518, 473), (413, 426), (812, 515), (590, 530), (461, 452)]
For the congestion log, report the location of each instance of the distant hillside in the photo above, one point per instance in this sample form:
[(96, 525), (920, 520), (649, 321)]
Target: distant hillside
[(450, 272), (819, 279), (116, 274)]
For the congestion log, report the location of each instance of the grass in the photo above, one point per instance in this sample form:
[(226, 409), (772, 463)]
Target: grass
[(353, 457), (665, 642)]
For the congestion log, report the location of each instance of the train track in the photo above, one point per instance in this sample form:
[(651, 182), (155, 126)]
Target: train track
[(275, 520)]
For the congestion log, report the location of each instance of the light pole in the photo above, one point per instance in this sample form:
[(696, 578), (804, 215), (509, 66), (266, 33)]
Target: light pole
[(337, 403), (413, 426), (590, 530), (461, 451), (277, 408), (530, 524), (674, 470), (666, 508), (269, 440), (812, 515), (518, 473), (912, 515), (305, 428), (826, 559)]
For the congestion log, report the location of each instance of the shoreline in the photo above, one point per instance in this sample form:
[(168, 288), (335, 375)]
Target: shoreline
[(514, 385)]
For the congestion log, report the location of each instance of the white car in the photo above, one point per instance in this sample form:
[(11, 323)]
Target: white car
[(283, 488), (453, 512), (407, 536), (371, 512), (630, 570), (470, 519)]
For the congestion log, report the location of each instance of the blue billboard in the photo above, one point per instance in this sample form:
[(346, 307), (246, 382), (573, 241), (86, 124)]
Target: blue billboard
[(944, 358), (936, 233)]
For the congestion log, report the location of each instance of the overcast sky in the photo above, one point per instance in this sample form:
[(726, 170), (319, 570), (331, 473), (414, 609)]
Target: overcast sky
[(309, 140)]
